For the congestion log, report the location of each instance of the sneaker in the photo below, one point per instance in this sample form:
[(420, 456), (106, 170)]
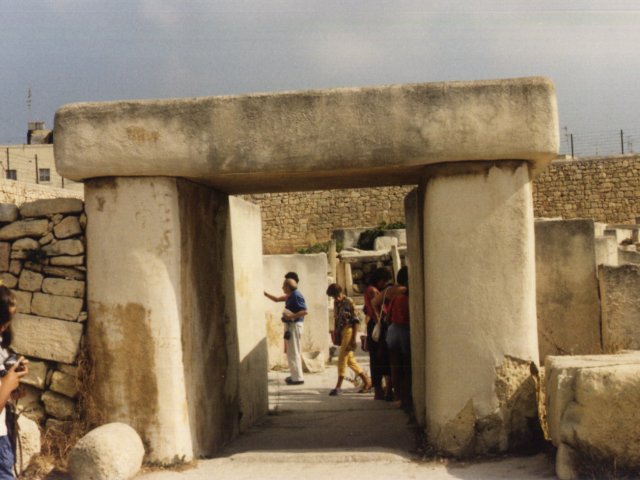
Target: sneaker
[(335, 392), (288, 381)]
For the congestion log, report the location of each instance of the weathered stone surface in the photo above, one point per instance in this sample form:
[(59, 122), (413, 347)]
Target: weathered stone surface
[(112, 451), (48, 238), (64, 426), (384, 243), (44, 207), (15, 267), (68, 288), (64, 247), (5, 254), (46, 338), (8, 212), (30, 281), (37, 376), (57, 218), (69, 370), (311, 132), (59, 406), (619, 293), (64, 272), (65, 261), (65, 384), (8, 280), (21, 248), (568, 307), (24, 228), (68, 227), (23, 301), (30, 405), (54, 306), (30, 442)]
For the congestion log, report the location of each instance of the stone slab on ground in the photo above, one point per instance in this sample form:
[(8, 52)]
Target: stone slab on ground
[(593, 410)]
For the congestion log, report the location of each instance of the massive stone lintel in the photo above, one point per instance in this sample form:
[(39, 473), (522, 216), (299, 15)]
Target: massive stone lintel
[(313, 139)]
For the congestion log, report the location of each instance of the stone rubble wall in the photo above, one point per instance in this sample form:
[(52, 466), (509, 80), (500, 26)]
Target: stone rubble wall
[(42, 259), (605, 189), (300, 219)]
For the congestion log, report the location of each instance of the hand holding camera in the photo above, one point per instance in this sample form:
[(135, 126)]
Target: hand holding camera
[(15, 367)]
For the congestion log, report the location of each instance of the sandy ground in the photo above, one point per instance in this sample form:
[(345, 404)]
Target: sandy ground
[(310, 435)]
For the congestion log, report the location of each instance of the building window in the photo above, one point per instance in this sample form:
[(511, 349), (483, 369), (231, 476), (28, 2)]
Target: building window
[(12, 174), (44, 175)]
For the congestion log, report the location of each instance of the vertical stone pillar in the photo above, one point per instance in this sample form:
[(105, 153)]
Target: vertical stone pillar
[(134, 296), (481, 336)]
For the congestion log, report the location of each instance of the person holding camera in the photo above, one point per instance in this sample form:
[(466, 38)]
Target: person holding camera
[(293, 318), (12, 369)]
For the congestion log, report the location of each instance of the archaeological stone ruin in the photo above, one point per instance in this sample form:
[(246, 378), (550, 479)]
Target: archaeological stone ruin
[(175, 268)]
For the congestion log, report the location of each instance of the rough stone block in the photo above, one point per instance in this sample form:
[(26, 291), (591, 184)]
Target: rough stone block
[(8, 280), (30, 281), (30, 442), (8, 212), (30, 405), (46, 338), (64, 247), (64, 272), (15, 267), (47, 239), (111, 451), (567, 300), (68, 288), (619, 288), (68, 227), (37, 376), (21, 249), (59, 406), (44, 207), (5, 256), (54, 306), (23, 301), (24, 228), (65, 384), (65, 261), (58, 425)]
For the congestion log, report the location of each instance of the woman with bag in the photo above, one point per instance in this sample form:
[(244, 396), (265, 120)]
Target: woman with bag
[(378, 360), (345, 333)]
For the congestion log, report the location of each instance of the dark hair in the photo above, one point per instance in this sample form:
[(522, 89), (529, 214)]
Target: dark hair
[(334, 290), (7, 303), (403, 276), (292, 276), (378, 275)]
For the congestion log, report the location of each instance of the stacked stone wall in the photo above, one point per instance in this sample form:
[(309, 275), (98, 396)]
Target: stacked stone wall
[(301, 219), (605, 189), (42, 259)]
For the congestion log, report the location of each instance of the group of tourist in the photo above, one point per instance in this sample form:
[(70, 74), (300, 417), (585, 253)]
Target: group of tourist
[(386, 307)]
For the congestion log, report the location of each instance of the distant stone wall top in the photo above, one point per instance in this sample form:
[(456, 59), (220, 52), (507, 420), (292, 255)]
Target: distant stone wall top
[(313, 139)]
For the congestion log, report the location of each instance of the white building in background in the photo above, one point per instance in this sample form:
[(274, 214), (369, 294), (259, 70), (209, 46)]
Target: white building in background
[(33, 162)]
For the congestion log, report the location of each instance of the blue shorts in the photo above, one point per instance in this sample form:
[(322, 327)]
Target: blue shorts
[(398, 339), (7, 459)]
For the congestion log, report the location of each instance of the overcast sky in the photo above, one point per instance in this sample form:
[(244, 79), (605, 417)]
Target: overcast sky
[(87, 50)]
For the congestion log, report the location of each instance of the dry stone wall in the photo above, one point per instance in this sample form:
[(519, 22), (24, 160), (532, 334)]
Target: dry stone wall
[(294, 220), (42, 259), (605, 189)]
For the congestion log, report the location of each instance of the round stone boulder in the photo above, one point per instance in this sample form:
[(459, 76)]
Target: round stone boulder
[(111, 452)]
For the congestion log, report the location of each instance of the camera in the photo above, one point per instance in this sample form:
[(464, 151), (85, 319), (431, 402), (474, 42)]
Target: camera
[(10, 362), (287, 335)]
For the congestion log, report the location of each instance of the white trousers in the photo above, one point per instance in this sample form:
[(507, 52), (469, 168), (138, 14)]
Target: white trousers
[(294, 351)]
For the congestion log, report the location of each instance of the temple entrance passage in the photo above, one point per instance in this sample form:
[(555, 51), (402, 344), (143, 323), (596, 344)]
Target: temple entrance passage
[(175, 259)]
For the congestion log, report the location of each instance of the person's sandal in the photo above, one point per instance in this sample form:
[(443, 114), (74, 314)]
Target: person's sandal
[(335, 392), (366, 388)]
